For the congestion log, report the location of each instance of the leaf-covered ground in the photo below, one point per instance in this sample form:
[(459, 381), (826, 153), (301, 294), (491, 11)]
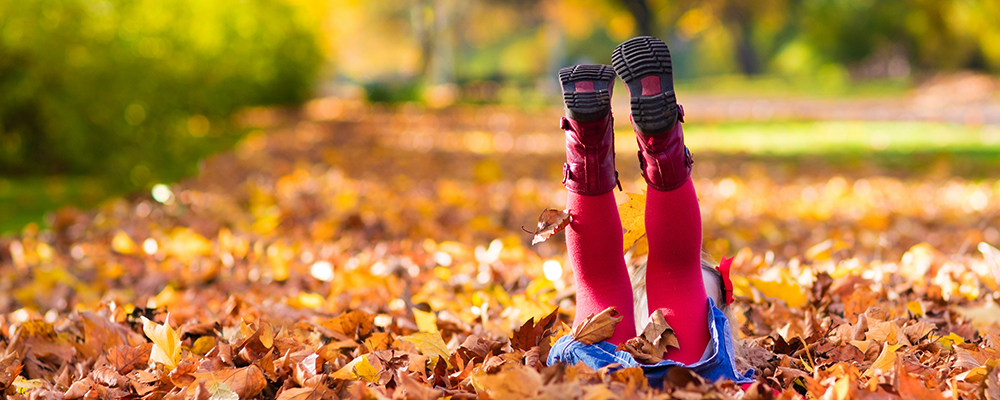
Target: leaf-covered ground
[(346, 251)]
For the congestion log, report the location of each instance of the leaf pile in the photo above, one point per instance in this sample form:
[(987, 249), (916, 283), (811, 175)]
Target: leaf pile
[(377, 254)]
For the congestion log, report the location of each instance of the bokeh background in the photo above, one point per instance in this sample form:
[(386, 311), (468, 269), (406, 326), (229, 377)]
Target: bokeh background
[(103, 98)]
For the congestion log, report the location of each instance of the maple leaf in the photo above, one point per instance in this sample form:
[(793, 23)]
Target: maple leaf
[(166, 343), (633, 216), (243, 382), (359, 368), (597, 327), (550, 222), (429, 344), (531, 334), (885, 361)]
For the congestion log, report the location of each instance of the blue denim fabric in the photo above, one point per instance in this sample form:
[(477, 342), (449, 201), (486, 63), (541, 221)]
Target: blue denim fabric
[(719, 365)]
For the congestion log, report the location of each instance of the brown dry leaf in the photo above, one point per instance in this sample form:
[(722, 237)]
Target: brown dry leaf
[(107, 377), (318, 392), (351, 323), (596, 328), (513, 382), (550, 222), (245, 382), (642, 350), (124, 358), (532, 334), (659, 333)]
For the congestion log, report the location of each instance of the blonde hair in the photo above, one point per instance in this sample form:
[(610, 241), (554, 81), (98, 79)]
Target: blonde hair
[(714, 288)]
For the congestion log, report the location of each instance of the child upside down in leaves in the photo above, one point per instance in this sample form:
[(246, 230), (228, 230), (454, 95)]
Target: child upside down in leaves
[(674, 283)]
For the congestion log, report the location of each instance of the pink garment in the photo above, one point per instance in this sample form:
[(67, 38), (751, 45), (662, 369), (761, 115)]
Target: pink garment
[(594, 242), (673, 274)]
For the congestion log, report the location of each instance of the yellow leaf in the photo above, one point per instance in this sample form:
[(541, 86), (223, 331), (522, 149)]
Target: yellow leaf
[(950, 340), (916, 307), (167, 297), (307, 301), (359, 368), (185, 244), (221, 391), (633, 216), (429, 343), (122, 244), (974, 376), (788, 291), (982, 316), (203, 345), (166, 343), (861, 344), (23, 385), (885, 360), (426, 321)]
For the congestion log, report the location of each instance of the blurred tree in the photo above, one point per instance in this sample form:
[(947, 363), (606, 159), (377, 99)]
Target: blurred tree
[(140, 89)]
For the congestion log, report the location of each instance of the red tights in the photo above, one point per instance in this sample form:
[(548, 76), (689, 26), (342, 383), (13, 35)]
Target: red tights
[(673, 274)]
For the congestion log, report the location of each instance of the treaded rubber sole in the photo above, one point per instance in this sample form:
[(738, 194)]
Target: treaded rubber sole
[(585, 106), (636, 59)]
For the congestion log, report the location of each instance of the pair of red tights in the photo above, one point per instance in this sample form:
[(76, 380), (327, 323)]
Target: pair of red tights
[(673, 274)]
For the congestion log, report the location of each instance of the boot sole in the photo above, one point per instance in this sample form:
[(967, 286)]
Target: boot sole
[(638, 58), (586, 106)]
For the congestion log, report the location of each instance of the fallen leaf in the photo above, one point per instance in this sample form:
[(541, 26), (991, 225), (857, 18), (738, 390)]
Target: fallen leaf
[(633, 216), (515, 382), (949, 340), (124, 358), (166, 343), (429, 344), (122, 243), (22, 385), (359, 368), (885, 361), (596, 328), (659, 333), (532, 334), (426, 321), (550, 222), (244, 382)]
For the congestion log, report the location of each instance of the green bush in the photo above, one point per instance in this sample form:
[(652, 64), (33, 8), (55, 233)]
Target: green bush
[(138, 90)]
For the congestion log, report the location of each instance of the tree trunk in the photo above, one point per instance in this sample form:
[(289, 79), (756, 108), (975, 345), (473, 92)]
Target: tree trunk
[(643, 18)]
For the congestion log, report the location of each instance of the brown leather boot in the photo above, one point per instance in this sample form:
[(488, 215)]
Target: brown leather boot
[(644, 65), (589, 126)]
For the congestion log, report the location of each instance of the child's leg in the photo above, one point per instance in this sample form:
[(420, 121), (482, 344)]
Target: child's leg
[(594, 237), (594, 244), (673, 218), (673, 275)]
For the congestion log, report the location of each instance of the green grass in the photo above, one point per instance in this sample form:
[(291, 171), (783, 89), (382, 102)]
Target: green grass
[(833, 86), (27, 200), (785, 138)]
